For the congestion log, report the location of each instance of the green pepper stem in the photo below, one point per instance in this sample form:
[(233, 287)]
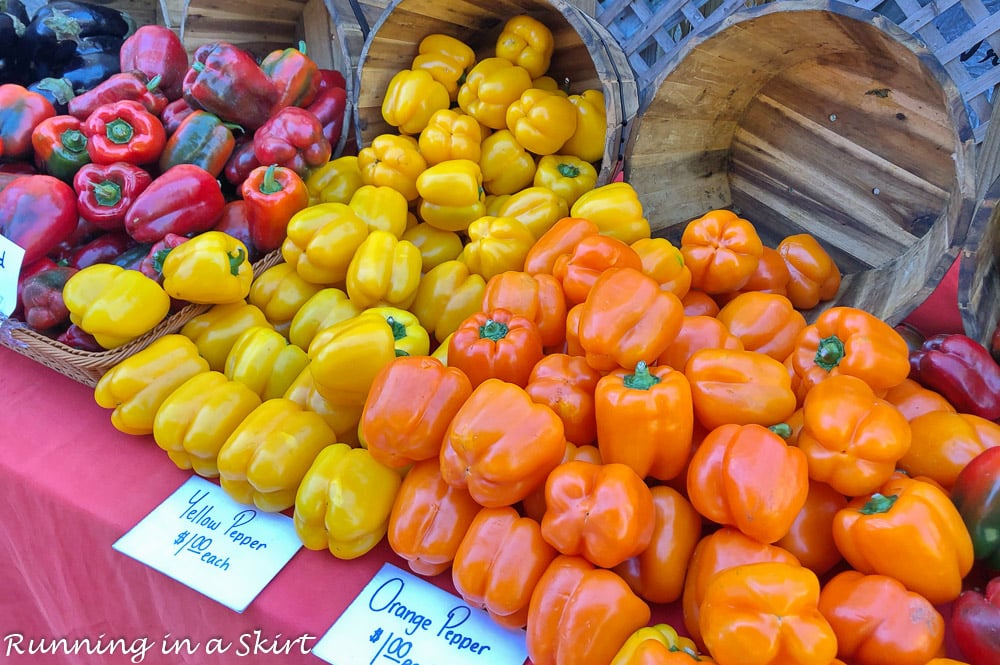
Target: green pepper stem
[(159, 256), (236, 259), (829, 352), (784, 430), (398, 329), (640, 379), (878, 503), (154, 82), (107, 193), (270, 185), (568, 170), (119, 131), (74, 140), (494, 330)]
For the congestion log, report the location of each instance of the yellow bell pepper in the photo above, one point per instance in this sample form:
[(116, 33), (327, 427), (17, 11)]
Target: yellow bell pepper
[(448, 294), (411, 98), (527, 42), (496, 245), (616, 210), (652, 644), (411, 337), (494, 202), (384, 271), (334, 182), (263, 360), (451, 194), (591, 132), (382, 208), (196, 419), (392, 160), (346, 357), (541, 121), (214, 332), (342, 419), (211, 268), (491, 86), (265, 458), (568, 176), (546, 82), (113, 304), (436, 245), (137, 386), (507, 167), (538, 208), (663, 261), (322, 310), (441, 352), (446, 59), (280, 292), (450, 134), (344, 501), (322, 239)]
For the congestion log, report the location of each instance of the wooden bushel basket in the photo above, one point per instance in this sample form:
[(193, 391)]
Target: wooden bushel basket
[(585, 55), (815, 117)]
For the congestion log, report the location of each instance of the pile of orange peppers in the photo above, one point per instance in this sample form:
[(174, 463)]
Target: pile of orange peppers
[(576, 420)]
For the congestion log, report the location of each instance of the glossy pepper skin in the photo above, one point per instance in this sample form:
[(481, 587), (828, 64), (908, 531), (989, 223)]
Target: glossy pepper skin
[(659, 645), (156, 50), (507, 166), (412, 96), (944, 442), (210, 269), (347, 356), (344, 501), (124, 132), (202, 139), (393, 161), (136, 387), (21, 110), (106, 192), (590, 136), (195, 419), (279, 292), (450, 134), (330, 108), (186, 199), (323, 309), (536, 297), (321, 240), (226, 80), (810, 537), (447, 295), (974, 619), (616, 210), (152, 264), (961, 369), (126, 85), (578, 270), (580, 614), (334, 182), (436, 246), (294, 74), (262, 359), (384, 271), (561, 238), (293, 138), (722, 250), (37, 212), (272, 195), (696, 333), (264, 460), (566, 385), (451, 194), (40, 295), (496, 245), (537, 207), (113, 304), (499, 562), (877, 620), (664, 262), (214, 332), (764, 614), (446, 58), (526, 41), (910, 530), (500, 445), (813, 276), (60, 146), (976, 494), (542, 121), (382, 209), (496, 344), (767, 323), (490, 87)]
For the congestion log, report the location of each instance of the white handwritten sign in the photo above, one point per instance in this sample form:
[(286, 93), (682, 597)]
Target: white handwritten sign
[(400, 619), (11, 256), (201, 537)]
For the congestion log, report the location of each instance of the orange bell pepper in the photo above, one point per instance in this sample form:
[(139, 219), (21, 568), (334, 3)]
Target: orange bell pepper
[(533, 505), (910, 530), (877, 620), (698, 303), (810, 537), (767, 323), (943, 443), (645, 419), (851, 438), (429, 519), (696, 333), (566, 385), (559, 239), (657, 573), (664, 262), (617, 331), (813, 275), (770, 276), (913, 399), (714, 553), (411, 403), (581, 615), (721, 250), (766, 614), (536, 297), (591, 256), (848, 340), (496, 344), (748, 477), (573, 347), (499, 562), (743, 387), (602, 512), (501, 445)]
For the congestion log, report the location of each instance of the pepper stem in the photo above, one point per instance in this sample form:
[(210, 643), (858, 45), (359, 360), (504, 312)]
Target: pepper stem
[(640, 379), (494, 330), (107, 193), (878, 503), (270, 185), (236, 259), (829, 352), (154, 82), (398, 329), (784, 430), (568, 170), (119, 131), (73, 140)]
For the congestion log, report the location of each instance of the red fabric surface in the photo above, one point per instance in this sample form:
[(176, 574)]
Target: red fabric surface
[(939, 313)]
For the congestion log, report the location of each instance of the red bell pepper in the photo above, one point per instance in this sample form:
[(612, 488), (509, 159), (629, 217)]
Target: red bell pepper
[(76, 338), (105, 248), (124, 132), (234, 222), (227, 81), (272, 194), (202, 139), (975, 620), (995, 343), (37, 212), (156, 50), (330, 108), (962, 370), (60, 146), (20, 112), (292, 138), (85, 232), (105, 192), (976, 494), (186, 199), (174, 113), (294, 73), (125, 85), (27, 272), (41, 296), (152, 264), (241, 162)]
